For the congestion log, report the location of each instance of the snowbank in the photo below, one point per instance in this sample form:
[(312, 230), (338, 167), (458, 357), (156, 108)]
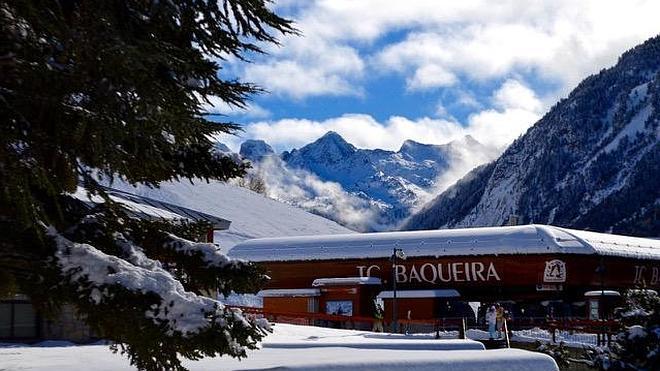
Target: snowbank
[(293, 347)]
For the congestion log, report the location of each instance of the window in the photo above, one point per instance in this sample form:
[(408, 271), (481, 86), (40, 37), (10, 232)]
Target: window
[(5, 320), (593, 309), (339, 307), (18, 320)]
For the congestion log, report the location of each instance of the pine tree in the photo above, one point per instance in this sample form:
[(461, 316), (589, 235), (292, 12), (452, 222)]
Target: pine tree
[(637, 346), (115, 89)]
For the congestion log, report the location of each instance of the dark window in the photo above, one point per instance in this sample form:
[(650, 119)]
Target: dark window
[(5, 320), (18, 320)]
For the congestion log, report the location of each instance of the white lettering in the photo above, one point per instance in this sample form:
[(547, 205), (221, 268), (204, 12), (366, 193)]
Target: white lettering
[(654, 276), (477, 270), (639, 274), (371, 267), (442, 278), (423, 271), (455, 268), (462, 272), (414, 275), (400, 273), (492, 272)]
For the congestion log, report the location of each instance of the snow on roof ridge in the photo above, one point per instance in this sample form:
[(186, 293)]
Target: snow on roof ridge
[(523, 239), (550, 231), (391, 233), (597, 240)]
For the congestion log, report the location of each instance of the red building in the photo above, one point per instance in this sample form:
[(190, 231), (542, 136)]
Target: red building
[(543, 270)]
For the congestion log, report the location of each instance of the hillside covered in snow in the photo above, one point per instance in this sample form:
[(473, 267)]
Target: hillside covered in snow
[(252, 215), (592, 162), (365, 189)]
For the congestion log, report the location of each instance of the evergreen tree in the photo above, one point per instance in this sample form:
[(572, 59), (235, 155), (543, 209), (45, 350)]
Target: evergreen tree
[(637, 346), (115, 89)]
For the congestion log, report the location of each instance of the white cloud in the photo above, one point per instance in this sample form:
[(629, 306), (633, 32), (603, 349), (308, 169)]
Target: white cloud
[(430, 76), (513, 94), (308, 66), (562, 40), (516, 109), (252, 110), (306, 190)]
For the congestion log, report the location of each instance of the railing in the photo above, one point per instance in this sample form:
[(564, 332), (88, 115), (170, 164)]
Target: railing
[(597, 332), (552, 330), (438, 326)]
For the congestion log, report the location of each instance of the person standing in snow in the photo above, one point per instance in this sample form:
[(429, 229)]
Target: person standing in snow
[(409, 316), (378, 319), (491, 320), (499, 311)]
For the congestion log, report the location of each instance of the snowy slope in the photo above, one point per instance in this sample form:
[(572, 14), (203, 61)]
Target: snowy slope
[(592, 162), (252, 215)]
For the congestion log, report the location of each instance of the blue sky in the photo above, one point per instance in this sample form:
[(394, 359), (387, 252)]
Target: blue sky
[(380, 72)]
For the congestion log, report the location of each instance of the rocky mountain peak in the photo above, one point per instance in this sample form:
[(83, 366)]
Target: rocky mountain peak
[(255, 149), (333, 142)]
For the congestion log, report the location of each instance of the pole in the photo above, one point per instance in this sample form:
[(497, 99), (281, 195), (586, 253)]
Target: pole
[(394, 302), (601, 299)]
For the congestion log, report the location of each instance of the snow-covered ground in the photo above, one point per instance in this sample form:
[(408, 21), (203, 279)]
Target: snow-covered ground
[(252, 215), (575, 339), (293, 347)]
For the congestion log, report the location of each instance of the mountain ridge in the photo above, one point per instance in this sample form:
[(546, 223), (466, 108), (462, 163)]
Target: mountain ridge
[(591, 162), (386, 185)]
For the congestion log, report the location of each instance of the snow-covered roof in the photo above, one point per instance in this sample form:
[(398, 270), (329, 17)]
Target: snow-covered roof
[(285, 293), (338, 281), (419, 294), (524, 239), (147, 208), (602, 293)]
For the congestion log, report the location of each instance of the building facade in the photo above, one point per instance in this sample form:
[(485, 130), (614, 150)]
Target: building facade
[(543, 270)]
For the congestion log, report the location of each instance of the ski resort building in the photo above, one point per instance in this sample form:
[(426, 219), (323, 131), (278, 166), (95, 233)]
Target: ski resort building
[(19, 320), (538, 270)]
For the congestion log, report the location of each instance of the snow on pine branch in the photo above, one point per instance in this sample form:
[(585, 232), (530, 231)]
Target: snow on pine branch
[(135, 254), (211, 254), (183, 311)]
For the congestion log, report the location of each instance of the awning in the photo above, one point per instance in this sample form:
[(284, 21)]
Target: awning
[(419, 294), (288, 293), (343, 281), (602, 293)]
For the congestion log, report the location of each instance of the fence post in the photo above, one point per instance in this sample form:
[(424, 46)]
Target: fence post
[(506, 334), (554, 335), (462, 330)]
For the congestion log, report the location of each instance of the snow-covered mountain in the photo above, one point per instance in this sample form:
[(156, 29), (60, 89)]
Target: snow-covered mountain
[(251, 214), (592, 162), (255, 150), (366, 189)]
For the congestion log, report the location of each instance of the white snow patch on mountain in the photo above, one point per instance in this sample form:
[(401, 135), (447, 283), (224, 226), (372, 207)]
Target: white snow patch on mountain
[(636, 125)]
